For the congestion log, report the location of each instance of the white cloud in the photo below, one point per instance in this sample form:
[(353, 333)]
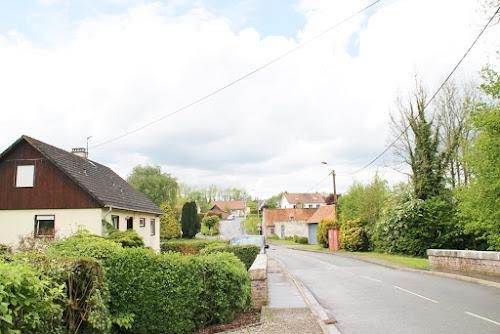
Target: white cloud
[(267, 133)]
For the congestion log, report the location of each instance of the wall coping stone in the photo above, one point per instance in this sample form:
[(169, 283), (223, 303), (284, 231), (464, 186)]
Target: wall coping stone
[(465, 254), (258, 270)]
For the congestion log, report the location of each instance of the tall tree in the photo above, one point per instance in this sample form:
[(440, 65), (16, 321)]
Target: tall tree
[(169, 226), (190, 222), (419, 144), (157, 186), (479, 208)]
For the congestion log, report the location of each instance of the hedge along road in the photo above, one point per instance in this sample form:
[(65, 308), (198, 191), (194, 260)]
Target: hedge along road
[(372, 299), (231, 228)]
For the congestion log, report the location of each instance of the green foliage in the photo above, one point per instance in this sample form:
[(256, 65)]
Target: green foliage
[(128, 238), (169, 226), (190, 222), (298, 240), (414, 226), (172, 293), (322, 231), (246, 253), (251, 224), (210, 225), (192, 247), (205, 196), (89, 246), (157, 186), (252, 205), (479, 207), (352, 237), (29, 301)]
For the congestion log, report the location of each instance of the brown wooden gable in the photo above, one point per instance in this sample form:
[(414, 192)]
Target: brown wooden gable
[(52, 189)]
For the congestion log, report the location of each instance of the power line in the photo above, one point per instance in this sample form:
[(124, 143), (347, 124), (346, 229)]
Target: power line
[(435, 94), (241, 78)]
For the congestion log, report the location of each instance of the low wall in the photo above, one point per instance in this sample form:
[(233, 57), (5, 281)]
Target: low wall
[(468, 261), (258, 281)]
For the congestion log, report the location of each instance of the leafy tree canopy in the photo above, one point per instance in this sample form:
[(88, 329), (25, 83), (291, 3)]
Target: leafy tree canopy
[(157, 186)]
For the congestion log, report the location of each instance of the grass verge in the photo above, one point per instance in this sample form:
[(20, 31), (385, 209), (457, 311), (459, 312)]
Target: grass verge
[(414, 262)]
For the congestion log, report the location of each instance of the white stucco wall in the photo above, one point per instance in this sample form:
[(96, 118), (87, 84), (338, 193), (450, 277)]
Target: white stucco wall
[(17, 223), (152, 241), (298, 228)]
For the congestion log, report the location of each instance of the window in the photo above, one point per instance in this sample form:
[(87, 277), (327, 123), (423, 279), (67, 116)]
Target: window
[(44, 226), (25, 176), (142, 222), (130, 223), (153, 227), (292, 218), (115, 221)]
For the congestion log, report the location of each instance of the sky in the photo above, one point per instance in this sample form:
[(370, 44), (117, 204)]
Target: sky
[(158, 83)]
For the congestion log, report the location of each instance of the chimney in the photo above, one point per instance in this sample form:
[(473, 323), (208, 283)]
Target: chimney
[(79, 151)]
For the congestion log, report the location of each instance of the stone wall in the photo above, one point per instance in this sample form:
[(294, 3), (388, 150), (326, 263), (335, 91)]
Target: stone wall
[(468, 261), (258, 281), (298, 228)]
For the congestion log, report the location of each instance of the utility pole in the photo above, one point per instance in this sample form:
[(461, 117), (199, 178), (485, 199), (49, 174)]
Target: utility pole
[(335, 195)]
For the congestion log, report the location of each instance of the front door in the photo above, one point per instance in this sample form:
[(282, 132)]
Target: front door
[(282, 231), (312, 234), (130, 223)]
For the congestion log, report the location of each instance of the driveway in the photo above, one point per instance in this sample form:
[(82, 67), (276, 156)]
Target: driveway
[(231, 228)]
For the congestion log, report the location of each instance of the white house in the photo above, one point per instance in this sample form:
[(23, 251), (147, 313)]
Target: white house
[(301, 200), (48, 192)]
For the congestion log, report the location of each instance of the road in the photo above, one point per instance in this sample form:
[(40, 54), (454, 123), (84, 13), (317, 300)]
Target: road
[(231, 228), (372, 299)]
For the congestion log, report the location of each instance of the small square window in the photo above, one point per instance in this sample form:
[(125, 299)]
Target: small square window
[(44, 226), (25, 176), (142, 222), (153, 227)]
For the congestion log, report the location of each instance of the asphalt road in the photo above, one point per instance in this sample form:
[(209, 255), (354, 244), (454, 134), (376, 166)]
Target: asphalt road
[(231, 228), (372, 299)]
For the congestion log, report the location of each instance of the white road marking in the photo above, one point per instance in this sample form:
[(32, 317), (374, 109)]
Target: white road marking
[(483, 318), (416, 294), (371, 278)]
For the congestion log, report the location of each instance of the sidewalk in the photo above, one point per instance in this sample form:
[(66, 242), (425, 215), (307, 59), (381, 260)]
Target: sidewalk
[(287, 310)]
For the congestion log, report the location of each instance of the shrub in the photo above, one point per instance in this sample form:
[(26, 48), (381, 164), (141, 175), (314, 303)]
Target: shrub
[(352, 236), (172, 293), (192, 247), (190, 222), (128, 238), (88, 246), (246, 253), (322, 231), (169, 226), (302, 240), (30, 301), (210, 222)]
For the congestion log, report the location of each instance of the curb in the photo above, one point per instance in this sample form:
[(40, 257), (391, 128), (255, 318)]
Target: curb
[(384, 263), (316, 309)]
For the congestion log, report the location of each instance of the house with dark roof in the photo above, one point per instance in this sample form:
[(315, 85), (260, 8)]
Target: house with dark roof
[(287, 222), (48, 192), (301, 200), (236, 208)]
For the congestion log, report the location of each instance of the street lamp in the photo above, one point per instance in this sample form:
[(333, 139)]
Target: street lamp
[(334, 188)]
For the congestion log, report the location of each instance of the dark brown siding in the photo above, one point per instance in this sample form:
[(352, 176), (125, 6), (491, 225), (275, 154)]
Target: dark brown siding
[(52, 188)]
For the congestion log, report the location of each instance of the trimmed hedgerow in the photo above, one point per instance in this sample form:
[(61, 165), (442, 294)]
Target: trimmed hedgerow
[(85, 246), (246, 253), (172, 293), (192, 246)]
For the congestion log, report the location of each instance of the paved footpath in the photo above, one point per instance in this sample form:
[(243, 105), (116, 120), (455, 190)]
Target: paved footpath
[(287, 310)]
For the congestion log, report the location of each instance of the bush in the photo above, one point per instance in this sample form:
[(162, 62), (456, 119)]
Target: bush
[(246, 253), (210, 222), (85, 246), (352, 236), (193, 246), (190, 221), (29, 301), (153, 293), (128, 238), (169, 226), (302, 240), (322, 231)]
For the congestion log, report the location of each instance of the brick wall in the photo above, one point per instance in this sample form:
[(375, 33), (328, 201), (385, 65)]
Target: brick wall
[(258, 281), (468, 261)]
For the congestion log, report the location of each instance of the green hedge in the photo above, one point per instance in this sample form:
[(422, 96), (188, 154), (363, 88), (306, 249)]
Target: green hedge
[(172, 293), (85, 246), (246, 253), (191, 246)]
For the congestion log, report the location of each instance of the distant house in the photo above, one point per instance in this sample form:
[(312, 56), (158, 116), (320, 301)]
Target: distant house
[(324, 212), (301, 200), (287, 222), (48, 192), (236, 208)]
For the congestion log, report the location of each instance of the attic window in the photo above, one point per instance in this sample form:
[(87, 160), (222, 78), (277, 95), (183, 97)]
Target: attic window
[(25, 176), (292, 218)]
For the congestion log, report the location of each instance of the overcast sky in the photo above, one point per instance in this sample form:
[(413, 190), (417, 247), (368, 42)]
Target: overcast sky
[(74, 69)]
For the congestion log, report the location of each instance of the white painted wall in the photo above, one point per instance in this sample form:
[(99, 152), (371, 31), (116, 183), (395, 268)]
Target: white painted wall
[(17, 223), (298, 228)]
